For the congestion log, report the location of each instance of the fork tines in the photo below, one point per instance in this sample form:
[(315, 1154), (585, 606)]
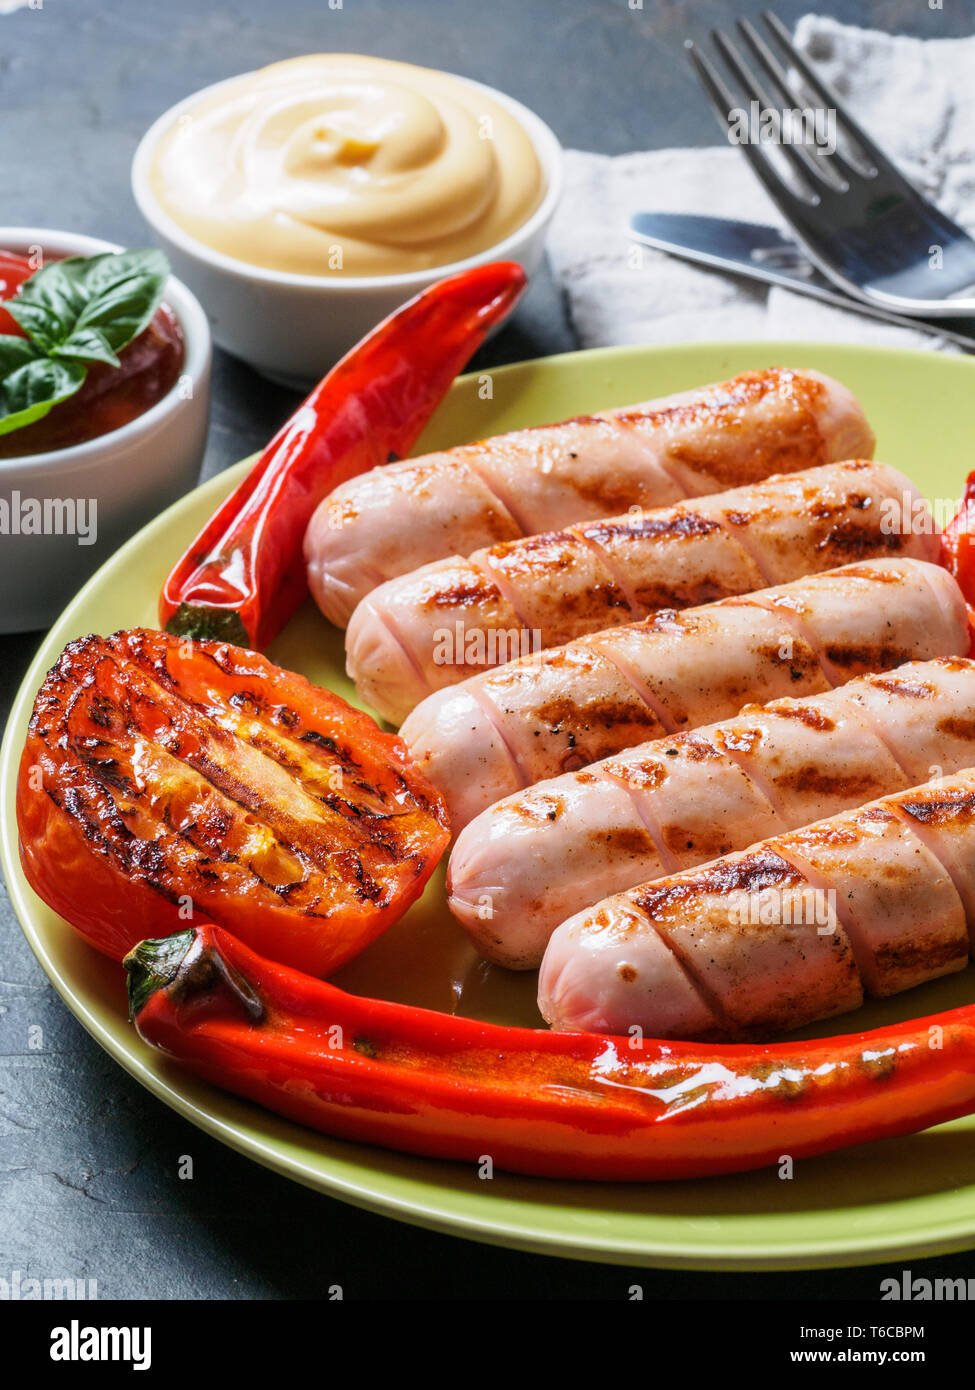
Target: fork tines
[(820, 166), (853, 212)]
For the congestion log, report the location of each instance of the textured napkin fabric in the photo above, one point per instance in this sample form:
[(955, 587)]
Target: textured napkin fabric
[(915, 97)]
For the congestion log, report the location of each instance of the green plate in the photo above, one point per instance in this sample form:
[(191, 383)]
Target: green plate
[(897, 1199)]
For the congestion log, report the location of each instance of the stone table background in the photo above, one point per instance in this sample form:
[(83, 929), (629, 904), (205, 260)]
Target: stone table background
[(88, 1160)]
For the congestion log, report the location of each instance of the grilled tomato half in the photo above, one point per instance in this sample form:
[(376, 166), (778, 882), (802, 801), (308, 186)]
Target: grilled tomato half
[(166, 781)]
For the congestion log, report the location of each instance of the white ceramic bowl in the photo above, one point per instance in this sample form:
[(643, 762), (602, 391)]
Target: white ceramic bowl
[(294, 327), (131, 473)]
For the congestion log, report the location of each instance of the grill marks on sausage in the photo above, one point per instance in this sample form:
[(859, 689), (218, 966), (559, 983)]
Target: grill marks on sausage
[(672, 902), (622, 842), (681, 594), (905, 687), (598, 715), (710, 844), (812, 779), (809, 715), (838, 529), (540, 806), (606, 602), (679, 524), (879, 656), (940, 806), (721, 432), (473, 594), (783, 438), (787, 865), (541, 560), (601, 573), (477, 460), (957, 727), (683, 526), (751, 872), (927, 950), (847, 541), (874, 575), (591, 721)]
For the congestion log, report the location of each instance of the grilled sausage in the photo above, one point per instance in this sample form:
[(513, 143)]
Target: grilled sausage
[(440, 624), (799, 927), (406, 514), (530, 861), (557, 711)]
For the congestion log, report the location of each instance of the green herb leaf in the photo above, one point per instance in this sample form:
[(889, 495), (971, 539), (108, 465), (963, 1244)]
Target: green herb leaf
[(116, 294), (16, 352), (29, 392), (87, 345), (124, 291), (80, 310)]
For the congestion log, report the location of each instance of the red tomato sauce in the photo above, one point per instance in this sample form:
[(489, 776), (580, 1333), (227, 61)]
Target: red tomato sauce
[(109, 397)]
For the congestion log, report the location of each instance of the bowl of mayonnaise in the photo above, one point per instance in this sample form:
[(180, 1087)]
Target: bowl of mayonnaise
[(306, 201)]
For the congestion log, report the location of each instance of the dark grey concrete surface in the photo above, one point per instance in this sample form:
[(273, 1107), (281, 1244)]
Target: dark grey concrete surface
[(88, 1160)]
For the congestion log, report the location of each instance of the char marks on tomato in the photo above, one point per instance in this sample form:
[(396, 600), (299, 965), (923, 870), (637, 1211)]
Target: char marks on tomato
[(204, 775)]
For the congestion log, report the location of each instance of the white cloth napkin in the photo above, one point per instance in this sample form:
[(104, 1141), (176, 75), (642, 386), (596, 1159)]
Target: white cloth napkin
[(915, 97)]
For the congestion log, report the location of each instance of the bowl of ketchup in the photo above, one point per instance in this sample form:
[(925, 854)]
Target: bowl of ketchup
[(110, 397), (78, 482)]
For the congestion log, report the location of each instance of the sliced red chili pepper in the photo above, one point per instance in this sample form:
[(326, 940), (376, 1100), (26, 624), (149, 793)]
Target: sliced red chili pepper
[(164, 779), (575, 1105), (244, 575), (958, 550)]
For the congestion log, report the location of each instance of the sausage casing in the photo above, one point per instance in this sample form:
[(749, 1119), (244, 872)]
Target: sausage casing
[(557, 711), (403, 515), (533, 859), (445, 621), (799, 927)]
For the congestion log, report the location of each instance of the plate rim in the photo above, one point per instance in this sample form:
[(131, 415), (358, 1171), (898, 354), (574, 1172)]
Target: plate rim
[(429, 1211)]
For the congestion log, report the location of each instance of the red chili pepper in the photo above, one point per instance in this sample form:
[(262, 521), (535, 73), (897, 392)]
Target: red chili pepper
[(958, 543), (244, 576), (576, 1105), (958, 551)]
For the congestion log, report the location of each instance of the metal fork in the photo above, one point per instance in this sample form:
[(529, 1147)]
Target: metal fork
[(856, 215)]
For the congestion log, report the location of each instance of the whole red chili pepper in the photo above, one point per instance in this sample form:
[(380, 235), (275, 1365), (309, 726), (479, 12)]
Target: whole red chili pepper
[(576, 1105), (244, 576)]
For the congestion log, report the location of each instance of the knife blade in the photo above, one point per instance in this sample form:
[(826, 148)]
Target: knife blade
[(759, 252)]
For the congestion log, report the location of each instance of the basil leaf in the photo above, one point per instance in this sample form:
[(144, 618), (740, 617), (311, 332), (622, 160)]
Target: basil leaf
[(123, 292), (115, 294), (80, 310), (87, 345), (16, 352), (47, 305), (31, 391)]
